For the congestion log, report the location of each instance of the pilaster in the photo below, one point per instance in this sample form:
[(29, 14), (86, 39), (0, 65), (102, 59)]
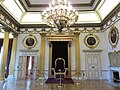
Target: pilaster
[(13, 55), (42, 53), (77, 54), (4, 56)]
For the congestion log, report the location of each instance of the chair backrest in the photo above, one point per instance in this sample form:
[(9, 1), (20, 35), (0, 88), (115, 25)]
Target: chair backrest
[(59, 64)]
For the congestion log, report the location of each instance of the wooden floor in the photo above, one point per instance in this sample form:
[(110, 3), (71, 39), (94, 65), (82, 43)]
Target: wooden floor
[(38, 85)]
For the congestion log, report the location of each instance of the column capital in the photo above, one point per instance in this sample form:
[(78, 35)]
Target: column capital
[(15, 35), (6, 29), (43, 34), (76, 33)]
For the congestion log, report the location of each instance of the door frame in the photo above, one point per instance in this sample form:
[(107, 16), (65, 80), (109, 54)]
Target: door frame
[(25, 53), (93, 52)]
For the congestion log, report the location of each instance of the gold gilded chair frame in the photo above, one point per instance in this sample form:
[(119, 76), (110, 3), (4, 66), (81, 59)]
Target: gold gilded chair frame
[(59, 73)]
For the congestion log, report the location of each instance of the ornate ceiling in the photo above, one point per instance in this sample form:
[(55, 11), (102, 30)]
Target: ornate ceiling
[(37, 5), (91, 12)]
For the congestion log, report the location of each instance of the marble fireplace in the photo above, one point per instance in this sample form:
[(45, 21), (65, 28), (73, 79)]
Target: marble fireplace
[(115, 74), (114, 69)]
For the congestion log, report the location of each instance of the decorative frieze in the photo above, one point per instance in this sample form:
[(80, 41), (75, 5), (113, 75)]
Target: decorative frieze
[(60, 38), (6, 21), (103, 28), (29, 52), (65, 30), (111, 22)]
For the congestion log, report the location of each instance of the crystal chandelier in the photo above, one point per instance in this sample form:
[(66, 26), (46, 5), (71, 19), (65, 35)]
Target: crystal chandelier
[(60, 15)]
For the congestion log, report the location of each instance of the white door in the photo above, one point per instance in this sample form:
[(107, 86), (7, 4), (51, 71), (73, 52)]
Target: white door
[(34, 67), (22, 67), (93, 66)]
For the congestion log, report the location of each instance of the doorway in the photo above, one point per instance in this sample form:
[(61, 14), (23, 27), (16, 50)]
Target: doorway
[(93, 64), (27, 67), (60, 50), (60, 38)]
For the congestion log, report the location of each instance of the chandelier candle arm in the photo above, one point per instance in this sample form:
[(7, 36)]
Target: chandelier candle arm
[(60, 15)]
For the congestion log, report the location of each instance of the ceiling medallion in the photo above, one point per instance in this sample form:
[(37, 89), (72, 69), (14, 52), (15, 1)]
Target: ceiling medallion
[(60, 15)]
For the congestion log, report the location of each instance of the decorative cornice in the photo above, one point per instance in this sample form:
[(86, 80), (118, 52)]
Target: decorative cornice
[(8, 16), (7, 21), (21, 2), (103, 23), (59, 37), (28, 5), (114, 52), (82, 28), (97, 5), (29, 50), (11, 28), (53, 31), (111, 15), (15, 35), (97, 50), (111, 22), (44, 5)]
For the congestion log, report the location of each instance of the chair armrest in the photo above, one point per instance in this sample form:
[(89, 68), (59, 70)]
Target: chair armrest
[(65, 70), (54, 70)]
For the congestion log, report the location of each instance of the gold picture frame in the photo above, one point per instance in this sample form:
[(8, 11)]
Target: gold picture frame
[(29, 41), (91, 41), (113, 36)]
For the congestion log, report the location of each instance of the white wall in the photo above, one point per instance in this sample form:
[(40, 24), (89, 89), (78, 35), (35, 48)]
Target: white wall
[(101, 46), (108, 46), (104, 45), (20, 46)]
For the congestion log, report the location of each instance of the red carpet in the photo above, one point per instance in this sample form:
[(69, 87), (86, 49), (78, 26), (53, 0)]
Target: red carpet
[(66, 80)]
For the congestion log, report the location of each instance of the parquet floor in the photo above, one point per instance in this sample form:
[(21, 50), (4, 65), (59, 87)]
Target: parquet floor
[(38, 85)]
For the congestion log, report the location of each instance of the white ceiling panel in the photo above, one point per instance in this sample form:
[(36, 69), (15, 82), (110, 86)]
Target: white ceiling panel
[(48, 1), (30, 16)]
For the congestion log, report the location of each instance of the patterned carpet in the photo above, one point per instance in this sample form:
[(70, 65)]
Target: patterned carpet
[(66, 80)]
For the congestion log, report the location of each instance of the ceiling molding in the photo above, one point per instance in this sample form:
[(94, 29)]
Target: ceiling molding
[(34, 25), (111, 14), (46, 26), (23, 5), (96, 5), (108, 17), (27, 5), (44, 5), (67, 31), (8, 21), (9, 16)]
